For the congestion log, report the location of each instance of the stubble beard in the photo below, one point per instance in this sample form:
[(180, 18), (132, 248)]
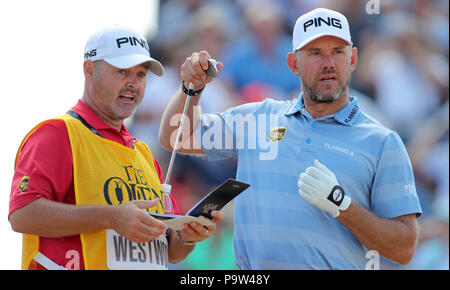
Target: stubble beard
[(316, 96)]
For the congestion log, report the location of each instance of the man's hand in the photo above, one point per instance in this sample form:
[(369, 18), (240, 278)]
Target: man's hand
[(319, 186), (195, 232), (131, 222), (193, 70)]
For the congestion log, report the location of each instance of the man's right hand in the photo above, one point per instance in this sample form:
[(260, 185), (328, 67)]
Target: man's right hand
[(131, 222), (193, 70)]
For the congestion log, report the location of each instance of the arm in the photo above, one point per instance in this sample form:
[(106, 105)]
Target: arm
[(192, 232), (48, 218), (394, 238), (192, 71), (170, 122)]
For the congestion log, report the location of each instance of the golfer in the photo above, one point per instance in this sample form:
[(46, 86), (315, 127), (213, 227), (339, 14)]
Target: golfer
[(338, 184)]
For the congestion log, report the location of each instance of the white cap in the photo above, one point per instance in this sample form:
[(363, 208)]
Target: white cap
[(317, 23), (121, 47)]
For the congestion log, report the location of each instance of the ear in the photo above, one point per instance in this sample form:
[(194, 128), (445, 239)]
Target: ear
[(88, 69), (354, 59), (293, 63)]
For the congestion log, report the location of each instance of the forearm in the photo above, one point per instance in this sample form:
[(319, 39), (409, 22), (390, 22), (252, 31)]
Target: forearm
[(171, 119), (48, 218), (394, 239), (177, 251)]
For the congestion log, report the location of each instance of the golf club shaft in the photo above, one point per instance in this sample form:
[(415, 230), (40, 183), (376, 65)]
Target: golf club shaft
[(180, 130)]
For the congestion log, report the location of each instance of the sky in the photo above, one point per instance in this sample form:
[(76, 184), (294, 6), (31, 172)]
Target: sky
[(41, 57)]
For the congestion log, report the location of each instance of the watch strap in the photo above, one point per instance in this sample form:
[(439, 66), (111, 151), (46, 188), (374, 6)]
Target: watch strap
[(191, 92)]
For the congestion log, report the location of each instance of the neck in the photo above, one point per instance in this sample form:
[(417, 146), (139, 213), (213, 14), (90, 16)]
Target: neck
[(321, 109), (116, 124)]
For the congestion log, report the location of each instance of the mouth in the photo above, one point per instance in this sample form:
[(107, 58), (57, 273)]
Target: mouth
[(328, 78), (127, 97)]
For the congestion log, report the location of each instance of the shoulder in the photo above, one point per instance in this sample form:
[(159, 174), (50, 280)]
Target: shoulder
[(46, 136), (378, 133), (267, 106), (368, 122), (49, 131)]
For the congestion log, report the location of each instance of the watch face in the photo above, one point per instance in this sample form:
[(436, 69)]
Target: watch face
[(337, 195)]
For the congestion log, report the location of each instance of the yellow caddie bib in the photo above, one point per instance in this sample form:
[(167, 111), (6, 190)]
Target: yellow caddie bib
[(108, 173)]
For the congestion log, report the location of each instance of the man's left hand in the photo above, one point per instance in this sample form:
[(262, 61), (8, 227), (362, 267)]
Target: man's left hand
[(195, 232)]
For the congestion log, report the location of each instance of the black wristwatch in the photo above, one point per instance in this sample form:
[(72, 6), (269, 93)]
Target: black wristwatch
[(184, 242), (191, 92)]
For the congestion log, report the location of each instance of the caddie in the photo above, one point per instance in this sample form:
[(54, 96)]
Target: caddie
[(83, 186)]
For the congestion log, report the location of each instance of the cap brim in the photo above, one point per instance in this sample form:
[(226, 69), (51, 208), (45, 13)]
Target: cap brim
[(304, 43), (130, 60)]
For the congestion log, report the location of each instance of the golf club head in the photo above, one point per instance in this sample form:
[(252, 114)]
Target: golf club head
[(212, 70)]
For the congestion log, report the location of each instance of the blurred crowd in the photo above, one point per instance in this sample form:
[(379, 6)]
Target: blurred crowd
[(402, 80)]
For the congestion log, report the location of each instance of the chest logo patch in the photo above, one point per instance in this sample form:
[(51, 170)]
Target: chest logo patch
[(277, 134)]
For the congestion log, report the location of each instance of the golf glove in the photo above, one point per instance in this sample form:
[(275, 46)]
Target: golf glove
[(319, 186)]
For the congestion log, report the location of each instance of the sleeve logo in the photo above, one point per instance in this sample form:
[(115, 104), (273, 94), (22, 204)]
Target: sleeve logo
[(23, 184)]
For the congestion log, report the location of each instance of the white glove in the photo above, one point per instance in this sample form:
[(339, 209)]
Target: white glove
[(319, 186)]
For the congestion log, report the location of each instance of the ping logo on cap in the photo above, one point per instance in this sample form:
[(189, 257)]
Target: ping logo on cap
[(90, 54), (133, 41), (318, 21)]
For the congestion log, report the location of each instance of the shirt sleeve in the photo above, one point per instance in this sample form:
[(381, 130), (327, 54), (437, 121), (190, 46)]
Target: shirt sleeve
[(394, 191), (44, 167), (221, 135)]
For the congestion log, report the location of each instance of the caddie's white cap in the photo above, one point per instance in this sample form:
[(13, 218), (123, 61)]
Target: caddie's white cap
[(318, 23), (121, 47)]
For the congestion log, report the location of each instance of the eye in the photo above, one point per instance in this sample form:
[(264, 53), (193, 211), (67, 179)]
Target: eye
[(122, 71), (316, 52), (142, 75)]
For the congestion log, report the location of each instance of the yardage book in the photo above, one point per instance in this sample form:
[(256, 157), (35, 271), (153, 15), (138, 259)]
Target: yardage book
[(215, 200)]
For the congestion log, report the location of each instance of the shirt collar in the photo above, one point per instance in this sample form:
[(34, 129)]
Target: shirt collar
[(346, 115)]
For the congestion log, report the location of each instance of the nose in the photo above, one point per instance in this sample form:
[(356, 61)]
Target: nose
[(328, 62), (132, 81)]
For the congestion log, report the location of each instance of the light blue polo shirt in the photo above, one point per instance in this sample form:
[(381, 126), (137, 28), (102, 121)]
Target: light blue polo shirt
[(275, 141)]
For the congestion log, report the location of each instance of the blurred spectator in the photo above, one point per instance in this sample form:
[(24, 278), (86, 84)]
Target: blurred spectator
[(433, 23), (292, 9), (176, 17), (260, 56), (428, 149), (408, 78), (432, 252)]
